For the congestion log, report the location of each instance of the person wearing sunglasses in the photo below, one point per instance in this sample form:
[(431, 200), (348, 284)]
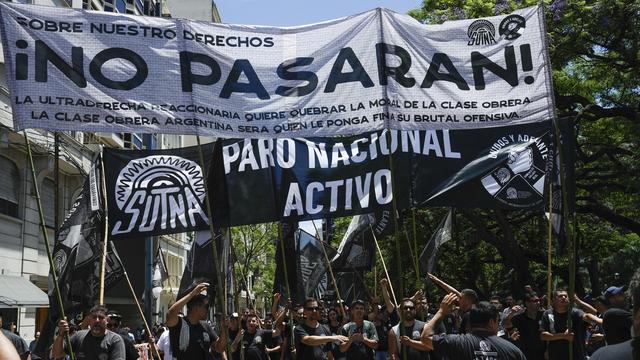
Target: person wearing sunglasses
[(113, 324), (407, 339), (191, 337), (313, 340)]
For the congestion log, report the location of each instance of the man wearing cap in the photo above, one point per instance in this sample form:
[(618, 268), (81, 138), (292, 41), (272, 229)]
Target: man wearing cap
[(235, 335), (362, 334), (617, 321), (113, 324), (191, 337), (630, 349)]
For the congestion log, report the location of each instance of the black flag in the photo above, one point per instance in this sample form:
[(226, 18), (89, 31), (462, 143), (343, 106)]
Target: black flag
[(442, 235), (357, 250), (77, 258), (288, 259), (199, 266), (312, 269), (568, 147)]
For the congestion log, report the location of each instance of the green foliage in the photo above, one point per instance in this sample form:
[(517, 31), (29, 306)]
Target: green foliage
[(595, 54)]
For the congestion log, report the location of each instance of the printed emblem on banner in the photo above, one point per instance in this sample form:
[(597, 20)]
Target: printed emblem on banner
[(60, 261), (520, 181), (481, 32), (512, 27), (160, 192)]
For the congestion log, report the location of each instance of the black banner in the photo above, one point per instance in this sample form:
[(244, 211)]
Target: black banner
[(155, 192), (265, 180)]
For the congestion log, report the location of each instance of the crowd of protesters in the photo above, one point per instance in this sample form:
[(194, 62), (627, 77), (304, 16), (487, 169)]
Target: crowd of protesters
[(461, 327)]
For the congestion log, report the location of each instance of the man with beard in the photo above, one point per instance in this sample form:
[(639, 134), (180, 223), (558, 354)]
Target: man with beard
[(481, 342), (616, 321), (95, 343), (313, 340), (363, 338), (254, 340), (554, 330), (526, 327), (407, 339)]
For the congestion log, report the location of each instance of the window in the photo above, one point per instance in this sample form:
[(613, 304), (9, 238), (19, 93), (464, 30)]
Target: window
[(9, 187)]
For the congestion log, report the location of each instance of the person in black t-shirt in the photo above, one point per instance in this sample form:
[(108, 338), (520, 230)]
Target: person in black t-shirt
[(630, 349), (553, 328), (407, 339), (312, 339), (526, 326), (192, 338), (480, 343), (616, 321), (254, 340)]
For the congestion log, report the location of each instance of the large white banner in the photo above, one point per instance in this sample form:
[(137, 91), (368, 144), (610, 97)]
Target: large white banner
[(94, 71)]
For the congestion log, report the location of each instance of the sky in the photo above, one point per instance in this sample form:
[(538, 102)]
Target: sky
[(301, 12)]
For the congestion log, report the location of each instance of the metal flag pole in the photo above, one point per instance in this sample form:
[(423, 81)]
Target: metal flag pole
[(52, 268)]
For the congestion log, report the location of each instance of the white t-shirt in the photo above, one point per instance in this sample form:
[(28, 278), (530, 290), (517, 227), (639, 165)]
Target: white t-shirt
[(165, 346)]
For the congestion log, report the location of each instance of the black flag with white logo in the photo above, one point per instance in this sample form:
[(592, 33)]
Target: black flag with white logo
[(357, 250), (312, 266), (77, 257), (155, 192)]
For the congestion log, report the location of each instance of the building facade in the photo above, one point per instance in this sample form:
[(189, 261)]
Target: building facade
[(24, 266)]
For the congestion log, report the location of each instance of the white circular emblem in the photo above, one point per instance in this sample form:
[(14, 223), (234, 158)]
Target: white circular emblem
[(158, 173)]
